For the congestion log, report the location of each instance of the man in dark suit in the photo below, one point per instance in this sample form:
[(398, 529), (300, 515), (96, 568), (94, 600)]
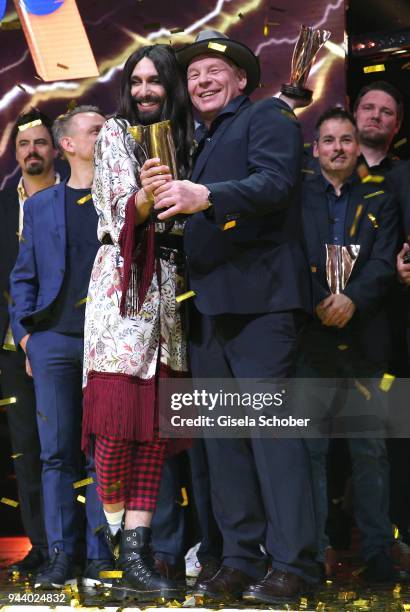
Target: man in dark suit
[(350, 336), (35, 154), (49, 285), (251, 286)]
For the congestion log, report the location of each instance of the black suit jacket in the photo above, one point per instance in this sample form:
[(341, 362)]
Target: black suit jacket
[(376, 231), (9, 244), (252, 168)]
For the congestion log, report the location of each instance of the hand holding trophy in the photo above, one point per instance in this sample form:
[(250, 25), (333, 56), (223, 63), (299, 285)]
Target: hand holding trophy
[(310, 41)]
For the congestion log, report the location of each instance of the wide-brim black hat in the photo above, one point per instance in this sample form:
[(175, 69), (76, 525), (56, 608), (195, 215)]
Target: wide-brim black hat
[(211, 41)]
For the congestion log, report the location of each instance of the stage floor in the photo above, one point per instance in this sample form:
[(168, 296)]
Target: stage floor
[(345, 592)]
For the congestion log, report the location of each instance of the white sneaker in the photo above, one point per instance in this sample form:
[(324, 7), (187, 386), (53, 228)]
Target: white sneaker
[(192, 565)]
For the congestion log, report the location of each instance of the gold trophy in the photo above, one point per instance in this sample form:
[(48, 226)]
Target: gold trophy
[(310, 41), (156, 141), (339, 265)]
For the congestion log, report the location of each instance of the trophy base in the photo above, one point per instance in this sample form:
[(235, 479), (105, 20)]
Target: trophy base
[(300, 93)]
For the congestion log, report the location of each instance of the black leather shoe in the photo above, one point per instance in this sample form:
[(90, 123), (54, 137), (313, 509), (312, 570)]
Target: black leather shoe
[(226, 585), (31, 563), (208, 571), (277, 587), (380, 569)]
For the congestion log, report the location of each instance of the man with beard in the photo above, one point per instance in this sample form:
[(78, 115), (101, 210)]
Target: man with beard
[(378, 110), (48, 287), (133, 328), (35, 154), (250, 278)]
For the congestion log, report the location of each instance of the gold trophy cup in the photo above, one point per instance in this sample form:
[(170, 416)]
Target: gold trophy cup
[(156, 141), (310, 41)]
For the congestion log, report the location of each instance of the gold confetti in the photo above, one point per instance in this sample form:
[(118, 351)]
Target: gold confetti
[(7, 401), (98, 529), (62, 66), (9, 347), (406, 66), (82, 301), (355, 220), (38, 77), (173, 604), (177, 30), (20, 86), (386, 382), (30, 124), (113, 487), (81, 499), (9, 502), (16, 455), (375, 68), (373, 194), (306, 145), (372, 178), (361, 603), (185, 296), (363, 390), (308, 171), (313, 269), (373, 220), (71, 105), (342, 347), (152, 26), (396, 533), (346, 595), (110, 574), (229, 225), (82, 483), (42, 416), (362, 171), (217, 47), (184, 496), (303, 602), (85, 199), (399, 143)]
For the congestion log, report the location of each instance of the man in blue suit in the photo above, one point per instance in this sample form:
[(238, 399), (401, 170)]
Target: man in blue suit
[(251, 286), (48, 285)]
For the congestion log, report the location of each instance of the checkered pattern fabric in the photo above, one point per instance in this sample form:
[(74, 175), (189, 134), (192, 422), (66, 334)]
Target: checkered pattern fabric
[(129, 471)]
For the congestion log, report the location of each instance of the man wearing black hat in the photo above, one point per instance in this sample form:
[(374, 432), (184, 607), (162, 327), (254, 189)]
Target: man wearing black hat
[(250, 282)]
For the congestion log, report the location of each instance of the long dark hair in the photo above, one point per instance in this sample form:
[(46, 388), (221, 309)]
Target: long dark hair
[(177, 106)]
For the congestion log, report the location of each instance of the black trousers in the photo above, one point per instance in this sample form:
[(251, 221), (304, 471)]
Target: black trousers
[(14, 382), (261, 487)]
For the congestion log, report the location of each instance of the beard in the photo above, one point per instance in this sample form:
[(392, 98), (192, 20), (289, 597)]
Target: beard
[(148, 117), (35, 169), (374, 139)]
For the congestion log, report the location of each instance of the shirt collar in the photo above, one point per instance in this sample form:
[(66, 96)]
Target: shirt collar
[(229, 109), (345, 187), (21, 190)]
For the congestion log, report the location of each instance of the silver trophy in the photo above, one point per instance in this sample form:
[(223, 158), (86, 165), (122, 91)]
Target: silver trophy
[(339, 265), (310, 41)]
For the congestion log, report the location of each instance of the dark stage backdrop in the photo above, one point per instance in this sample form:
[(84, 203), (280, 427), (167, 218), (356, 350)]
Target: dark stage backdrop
[(115, 28)]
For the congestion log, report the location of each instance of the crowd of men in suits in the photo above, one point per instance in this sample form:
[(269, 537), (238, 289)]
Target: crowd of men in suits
[(259, 214)]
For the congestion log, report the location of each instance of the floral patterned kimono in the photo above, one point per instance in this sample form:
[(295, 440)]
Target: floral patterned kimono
[(125, 355)]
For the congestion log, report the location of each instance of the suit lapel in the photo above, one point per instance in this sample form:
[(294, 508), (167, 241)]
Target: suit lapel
[(13, 225), (204, 155), (318, 208)]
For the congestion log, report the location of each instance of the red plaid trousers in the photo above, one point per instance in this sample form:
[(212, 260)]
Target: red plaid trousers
[(129, 471)]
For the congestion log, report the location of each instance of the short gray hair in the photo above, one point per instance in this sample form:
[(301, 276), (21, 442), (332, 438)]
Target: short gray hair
[(61, 125)]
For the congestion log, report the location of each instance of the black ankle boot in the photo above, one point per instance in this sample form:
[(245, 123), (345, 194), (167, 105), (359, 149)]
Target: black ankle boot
[(112, 541), (140, 579)]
